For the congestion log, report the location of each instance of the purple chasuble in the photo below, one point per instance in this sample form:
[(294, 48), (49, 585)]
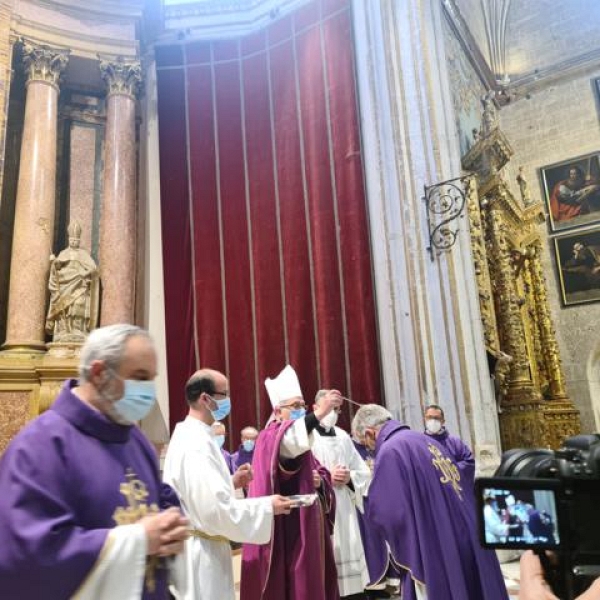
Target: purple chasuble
[(60, 479), (241, 457), (426, 511), (298, 562), (373, 538), (458, 451)]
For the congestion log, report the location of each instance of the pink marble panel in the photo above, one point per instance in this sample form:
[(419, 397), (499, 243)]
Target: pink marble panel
[(81, 180)]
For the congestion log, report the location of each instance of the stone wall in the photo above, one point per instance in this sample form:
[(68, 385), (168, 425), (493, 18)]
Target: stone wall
[(561, 122)]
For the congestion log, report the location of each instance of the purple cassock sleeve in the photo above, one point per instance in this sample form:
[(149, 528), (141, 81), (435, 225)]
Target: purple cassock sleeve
[(43, 554)]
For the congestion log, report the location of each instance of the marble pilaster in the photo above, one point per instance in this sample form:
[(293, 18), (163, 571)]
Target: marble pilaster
[(118, 214), (431, 335), (35, 204)]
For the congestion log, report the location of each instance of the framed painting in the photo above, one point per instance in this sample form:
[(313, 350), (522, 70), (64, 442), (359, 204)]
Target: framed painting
[(578, 263), (572, 192)]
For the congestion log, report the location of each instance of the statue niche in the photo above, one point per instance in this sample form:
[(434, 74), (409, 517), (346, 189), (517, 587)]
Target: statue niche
[(73, 285)]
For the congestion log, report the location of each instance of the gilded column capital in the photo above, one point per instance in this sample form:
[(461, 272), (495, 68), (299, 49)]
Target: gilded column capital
[(43, 63), (122, 76)]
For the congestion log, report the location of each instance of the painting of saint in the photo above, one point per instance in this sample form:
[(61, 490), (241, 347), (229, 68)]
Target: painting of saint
[(578, 262), (572, 192)]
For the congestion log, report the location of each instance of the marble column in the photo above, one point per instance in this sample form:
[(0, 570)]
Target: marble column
[(431, 335), (35, 204), (118, 225)]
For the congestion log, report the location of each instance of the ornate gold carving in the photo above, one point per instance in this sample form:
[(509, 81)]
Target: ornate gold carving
[(43, 63), (14, 414), (534, 408), (121, 76), (550, 354), (482, 273)]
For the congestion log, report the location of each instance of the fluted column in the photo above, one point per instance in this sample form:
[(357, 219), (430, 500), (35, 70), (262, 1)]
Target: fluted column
[(35, 205), (118, 221), (548, 337), (509, 312)]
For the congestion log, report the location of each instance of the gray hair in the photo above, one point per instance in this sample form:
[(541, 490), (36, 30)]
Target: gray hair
[(320, 394), (248, 429), (107, 344), (369, 415)]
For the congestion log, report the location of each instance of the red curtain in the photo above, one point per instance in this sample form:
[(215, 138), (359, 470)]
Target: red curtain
[(264, 221)]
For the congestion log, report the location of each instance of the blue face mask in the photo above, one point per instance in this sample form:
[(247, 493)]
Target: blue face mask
[(222, 410), (137, 401), (220, 439), (248, 445), (297, 413)]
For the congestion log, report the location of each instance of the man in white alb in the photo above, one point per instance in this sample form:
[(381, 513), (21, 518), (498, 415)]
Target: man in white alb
[(350, 476), (196, 469)]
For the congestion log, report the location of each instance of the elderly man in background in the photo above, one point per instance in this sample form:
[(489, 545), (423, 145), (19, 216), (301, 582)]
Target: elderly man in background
[(351, 476), (246, 450), (81, 509), (299, 562), (435, 426), (196, 469), (426, 511)]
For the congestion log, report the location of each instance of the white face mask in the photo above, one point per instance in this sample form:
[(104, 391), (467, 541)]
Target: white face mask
[(329, 420), (433, 425)]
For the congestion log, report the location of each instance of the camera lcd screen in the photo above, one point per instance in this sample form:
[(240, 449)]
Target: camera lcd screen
[(517, 514)]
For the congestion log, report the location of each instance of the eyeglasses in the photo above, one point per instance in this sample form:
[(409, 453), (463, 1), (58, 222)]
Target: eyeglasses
[(294, 406), (224, 394)]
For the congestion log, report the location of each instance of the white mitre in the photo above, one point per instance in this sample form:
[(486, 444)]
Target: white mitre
[(283, 387)]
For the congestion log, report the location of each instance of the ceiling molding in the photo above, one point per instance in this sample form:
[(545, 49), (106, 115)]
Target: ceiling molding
[(109, 10), (469, 45), (222, 18)]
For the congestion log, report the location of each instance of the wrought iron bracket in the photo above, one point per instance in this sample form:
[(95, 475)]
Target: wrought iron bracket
[(444, 203)]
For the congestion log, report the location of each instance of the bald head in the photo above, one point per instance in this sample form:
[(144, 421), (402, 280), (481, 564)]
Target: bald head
[(205, 381)]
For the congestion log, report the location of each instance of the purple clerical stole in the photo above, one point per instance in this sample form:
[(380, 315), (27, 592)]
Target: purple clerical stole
[(66, 480)]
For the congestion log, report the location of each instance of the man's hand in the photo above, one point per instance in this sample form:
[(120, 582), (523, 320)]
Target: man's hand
[(340, 475), (534, 586), (243, 476), (166, 532), (281, 505), (332, 399), (316, 480)]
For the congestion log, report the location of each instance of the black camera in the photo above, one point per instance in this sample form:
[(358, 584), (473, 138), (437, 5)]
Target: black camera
[(548, 500)]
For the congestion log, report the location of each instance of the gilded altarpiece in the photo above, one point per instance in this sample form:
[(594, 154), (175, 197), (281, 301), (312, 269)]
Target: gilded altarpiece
[(534, 408)]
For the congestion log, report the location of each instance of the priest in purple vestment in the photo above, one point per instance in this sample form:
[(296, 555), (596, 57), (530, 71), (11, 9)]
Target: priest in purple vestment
[(298, 563), (426, 511), (381, 570), (435, 426), (82, 508), (246, 450)]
